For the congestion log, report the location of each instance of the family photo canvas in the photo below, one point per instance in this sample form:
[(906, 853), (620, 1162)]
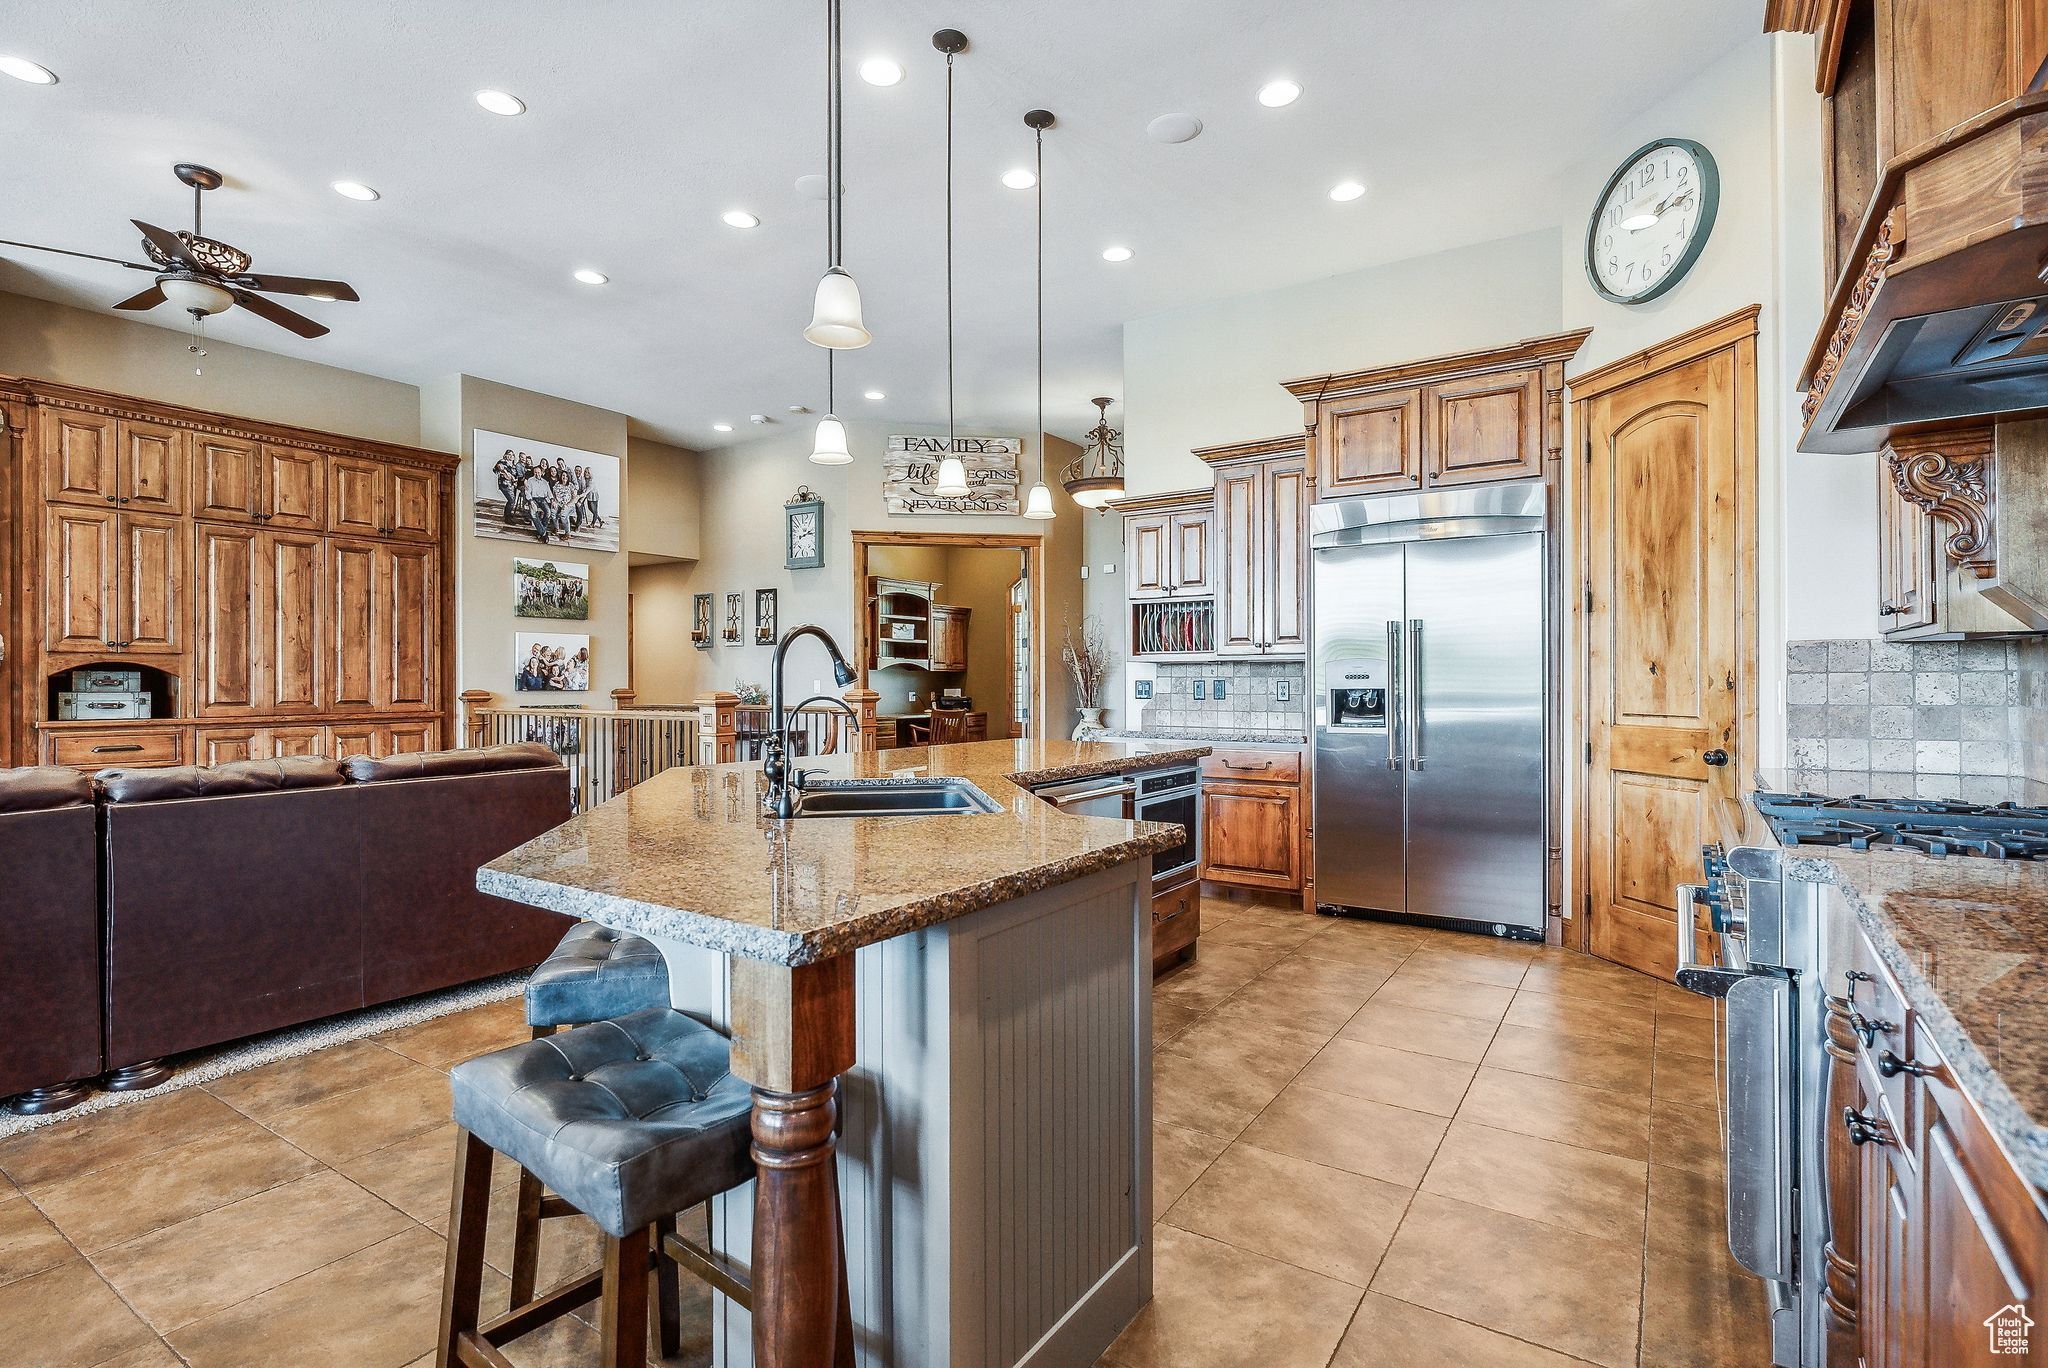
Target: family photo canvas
[(550, 589), (549, 495), (551, 662)]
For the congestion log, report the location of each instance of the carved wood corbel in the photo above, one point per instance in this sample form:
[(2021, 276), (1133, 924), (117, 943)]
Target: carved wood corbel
[(1949, 476), (1890, 233)]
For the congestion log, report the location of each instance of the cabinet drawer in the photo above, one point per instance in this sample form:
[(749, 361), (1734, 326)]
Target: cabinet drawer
[(127, 748), (1253, 766), (1877, 1002), (1176, 920)]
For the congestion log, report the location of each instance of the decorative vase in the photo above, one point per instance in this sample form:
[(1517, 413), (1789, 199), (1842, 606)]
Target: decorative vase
[(1091, 721)]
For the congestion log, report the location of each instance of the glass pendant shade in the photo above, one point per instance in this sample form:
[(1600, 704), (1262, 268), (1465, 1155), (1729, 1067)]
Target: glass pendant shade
[(1038, 504), (829, 447), (196, 296), (1095, 493), (835, 315), (952, 480)]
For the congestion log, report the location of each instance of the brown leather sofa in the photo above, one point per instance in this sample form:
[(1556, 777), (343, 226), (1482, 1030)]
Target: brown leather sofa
[(49, 970), (263, 894)]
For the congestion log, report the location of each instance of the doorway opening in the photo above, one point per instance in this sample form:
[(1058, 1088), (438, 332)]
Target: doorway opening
[(949, 629)]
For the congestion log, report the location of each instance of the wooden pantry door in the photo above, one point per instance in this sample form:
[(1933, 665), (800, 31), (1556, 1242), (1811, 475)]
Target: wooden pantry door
[(1667, 537)]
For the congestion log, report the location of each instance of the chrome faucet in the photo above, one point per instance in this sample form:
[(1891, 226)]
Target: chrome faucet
[(783, 786)]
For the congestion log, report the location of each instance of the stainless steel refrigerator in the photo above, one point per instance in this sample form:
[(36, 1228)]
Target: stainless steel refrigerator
[(1429, 682)]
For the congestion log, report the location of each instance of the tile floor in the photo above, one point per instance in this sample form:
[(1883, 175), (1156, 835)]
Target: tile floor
[(1375, 1146)]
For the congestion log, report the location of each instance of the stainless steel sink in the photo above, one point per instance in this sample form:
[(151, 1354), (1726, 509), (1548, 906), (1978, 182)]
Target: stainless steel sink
[(935, 798)]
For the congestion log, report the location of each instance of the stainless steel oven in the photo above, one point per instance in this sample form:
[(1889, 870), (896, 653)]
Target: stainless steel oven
[(1171, 796), (1749, 939)]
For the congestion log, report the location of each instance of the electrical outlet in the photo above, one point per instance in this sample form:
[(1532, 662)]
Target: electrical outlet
[(1283, 689), (1216, 689), (1198, 686), (1142, 689)]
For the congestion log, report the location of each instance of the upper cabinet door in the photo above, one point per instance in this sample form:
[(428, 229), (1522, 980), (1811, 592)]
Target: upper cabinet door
[(227, 478), (407, 606), (1285, 569), (78, 579), (1239, 524), (294, 488), (78, 456), (354, 588), (151, 573), (155, 467), (1487, 428), (227, 577), (355, 496), (292, 584), (1370, 445), (1145, 555), (1188, 537), (413, 507), (1906, 559)]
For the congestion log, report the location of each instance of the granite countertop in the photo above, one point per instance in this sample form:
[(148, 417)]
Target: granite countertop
[(1967, 940), (688, 855)]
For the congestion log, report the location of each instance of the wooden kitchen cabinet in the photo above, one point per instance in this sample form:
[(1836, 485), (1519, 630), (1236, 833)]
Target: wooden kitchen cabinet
[(1371, 444), (1905, 561), (258, 620), (1262, 500), (382, 615), (949, 637), (78, 455), (150, 573), (1254, 804), (1484, 429), (261, 482), (1167, 545), (78, 578), (153, 467)]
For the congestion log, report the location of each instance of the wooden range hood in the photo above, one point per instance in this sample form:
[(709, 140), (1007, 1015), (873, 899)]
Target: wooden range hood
[(1936, 130)]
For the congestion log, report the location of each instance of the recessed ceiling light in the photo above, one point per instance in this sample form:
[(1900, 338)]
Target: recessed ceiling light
[(501, 102), (22, 69), (590, 277), (740, 218), (1274, 94), (721, 427), (875, 396), (880, 71), (813, 187), (1117, 254), (355, 190), (1019, 178), (1174, 128), (1344, 191)]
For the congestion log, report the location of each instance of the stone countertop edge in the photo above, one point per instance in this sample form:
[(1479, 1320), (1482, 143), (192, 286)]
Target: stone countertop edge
[(797, 948), (2023, 1138)]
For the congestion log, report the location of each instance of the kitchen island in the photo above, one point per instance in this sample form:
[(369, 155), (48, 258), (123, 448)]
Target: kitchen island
[(981, 982)]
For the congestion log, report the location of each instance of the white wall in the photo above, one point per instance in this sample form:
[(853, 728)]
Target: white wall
[(1212, 373)]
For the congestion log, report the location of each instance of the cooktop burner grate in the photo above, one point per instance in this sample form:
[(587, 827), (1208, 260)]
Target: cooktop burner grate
[(1935, 826)]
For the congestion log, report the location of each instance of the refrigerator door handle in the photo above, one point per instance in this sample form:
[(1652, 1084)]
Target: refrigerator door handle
[(1397, 705), (1411, 710)]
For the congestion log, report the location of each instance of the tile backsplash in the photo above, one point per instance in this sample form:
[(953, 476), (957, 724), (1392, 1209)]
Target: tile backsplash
[(1252, 697), (1926, 707)]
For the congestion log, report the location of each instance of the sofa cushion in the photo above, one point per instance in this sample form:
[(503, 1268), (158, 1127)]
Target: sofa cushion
[(629, 1120), (517, 755), (35, 787), (214, 781)]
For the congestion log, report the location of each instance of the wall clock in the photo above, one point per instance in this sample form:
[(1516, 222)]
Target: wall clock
[(804, 539), (1651, 222)]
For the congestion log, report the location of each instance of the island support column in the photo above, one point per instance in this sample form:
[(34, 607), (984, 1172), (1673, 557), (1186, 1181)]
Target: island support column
[(793, 1034)]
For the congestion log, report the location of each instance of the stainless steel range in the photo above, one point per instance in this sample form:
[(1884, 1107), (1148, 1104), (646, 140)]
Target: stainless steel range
[(1759, 943)]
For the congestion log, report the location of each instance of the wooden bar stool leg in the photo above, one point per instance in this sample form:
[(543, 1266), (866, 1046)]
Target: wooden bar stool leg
[(526, 1239), (668, 1289), (625, 1301), (462, 1282)]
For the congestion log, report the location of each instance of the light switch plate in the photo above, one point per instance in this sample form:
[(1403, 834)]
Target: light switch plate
[(1198, 687), (1141, 689), (1216, 689)]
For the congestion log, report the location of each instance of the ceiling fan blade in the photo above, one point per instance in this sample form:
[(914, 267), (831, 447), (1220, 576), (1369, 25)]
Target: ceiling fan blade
[(170, 244), (278, 314), (299, 285), (89, 256), (148, 299)]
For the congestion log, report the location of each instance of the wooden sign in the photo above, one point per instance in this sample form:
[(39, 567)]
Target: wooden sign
[(911, 467)]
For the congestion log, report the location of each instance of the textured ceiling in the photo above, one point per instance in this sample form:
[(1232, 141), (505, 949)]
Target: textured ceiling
[(649, 118)]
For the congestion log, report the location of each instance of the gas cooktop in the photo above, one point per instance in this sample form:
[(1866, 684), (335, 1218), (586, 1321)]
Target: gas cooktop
[(1934, 826)]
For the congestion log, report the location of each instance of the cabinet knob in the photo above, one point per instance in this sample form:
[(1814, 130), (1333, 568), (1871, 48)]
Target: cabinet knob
[(1869, 1028), (1716, 757), (1865, 1130), (1891, 1066), (1890, 609)]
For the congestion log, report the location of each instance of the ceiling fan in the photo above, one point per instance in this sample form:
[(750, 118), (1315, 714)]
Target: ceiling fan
[(204, 275)]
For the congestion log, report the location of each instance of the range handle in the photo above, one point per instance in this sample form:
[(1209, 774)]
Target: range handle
[(1708, 980), (1760, 1153)]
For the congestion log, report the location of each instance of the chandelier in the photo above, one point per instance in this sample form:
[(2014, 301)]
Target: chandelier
[(1098, 476)]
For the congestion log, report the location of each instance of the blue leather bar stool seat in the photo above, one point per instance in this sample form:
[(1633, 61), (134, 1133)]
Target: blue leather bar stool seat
[(630, 1121), (595, 974)]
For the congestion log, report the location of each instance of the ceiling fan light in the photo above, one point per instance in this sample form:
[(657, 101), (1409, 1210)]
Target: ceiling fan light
[(1038, 503), (835, 314), (196, 296), (952, 483), (829, 446)]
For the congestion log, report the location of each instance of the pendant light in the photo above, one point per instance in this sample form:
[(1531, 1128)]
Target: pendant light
[(952, 482), (1098, 476), (835, 311), (829, 446), (1038, 504)]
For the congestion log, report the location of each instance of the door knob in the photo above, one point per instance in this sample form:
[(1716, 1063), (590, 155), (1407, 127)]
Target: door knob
[(1714, 757)]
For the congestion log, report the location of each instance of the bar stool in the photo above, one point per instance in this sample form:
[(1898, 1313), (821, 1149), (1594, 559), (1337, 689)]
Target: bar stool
[(594, 974), (631, 1121)]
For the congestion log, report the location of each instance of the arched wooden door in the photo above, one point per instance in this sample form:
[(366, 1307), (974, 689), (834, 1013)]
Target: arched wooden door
[(1668, 540)]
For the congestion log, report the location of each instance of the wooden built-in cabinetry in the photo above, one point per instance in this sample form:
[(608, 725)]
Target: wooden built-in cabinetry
[(286, 589), (908, 626), (1948, 565), (1167, 545), (1261, 513), (1254, 809)]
